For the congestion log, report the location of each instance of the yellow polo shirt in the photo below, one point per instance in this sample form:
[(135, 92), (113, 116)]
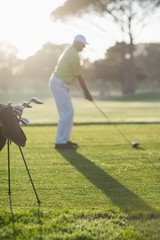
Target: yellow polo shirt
[(68, 66)]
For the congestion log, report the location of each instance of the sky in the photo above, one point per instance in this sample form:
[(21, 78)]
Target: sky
[(27, 25)]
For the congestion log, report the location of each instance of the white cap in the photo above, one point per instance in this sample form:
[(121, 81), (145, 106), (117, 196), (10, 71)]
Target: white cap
[(80, 38)]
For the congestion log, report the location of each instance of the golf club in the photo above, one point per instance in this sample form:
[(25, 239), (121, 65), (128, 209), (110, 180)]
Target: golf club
[(18, 110), (25, 104), (132, 144), (34, 100), (25, 121)]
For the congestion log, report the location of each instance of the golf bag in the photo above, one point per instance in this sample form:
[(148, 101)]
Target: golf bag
[(10, 128)]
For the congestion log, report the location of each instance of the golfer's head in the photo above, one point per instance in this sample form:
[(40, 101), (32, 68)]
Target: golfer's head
[(80, 42)]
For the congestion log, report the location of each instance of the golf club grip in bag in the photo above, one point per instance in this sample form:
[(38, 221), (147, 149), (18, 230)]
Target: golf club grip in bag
[(10, 128)]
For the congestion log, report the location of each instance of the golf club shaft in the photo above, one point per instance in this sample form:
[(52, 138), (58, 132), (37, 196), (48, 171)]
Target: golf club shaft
[(120, 132)]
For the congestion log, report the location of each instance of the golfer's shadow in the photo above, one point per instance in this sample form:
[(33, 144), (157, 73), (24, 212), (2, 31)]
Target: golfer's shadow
[(117, 193)]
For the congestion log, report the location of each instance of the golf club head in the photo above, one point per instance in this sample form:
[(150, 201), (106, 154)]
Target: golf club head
[(18, 110), (36, 100), (26, 105), (25, 121), (135, 144)]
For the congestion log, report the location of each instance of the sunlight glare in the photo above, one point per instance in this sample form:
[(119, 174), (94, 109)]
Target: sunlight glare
[(27, 24)]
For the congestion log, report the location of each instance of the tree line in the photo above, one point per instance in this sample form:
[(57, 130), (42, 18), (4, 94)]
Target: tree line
[(103, 75), (129, 17), (126, 67)]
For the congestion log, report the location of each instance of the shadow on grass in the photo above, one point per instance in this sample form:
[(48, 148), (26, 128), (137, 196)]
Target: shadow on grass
[(114, 190)]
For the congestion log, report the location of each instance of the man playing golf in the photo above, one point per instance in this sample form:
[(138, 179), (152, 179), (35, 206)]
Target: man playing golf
[(67, 70)]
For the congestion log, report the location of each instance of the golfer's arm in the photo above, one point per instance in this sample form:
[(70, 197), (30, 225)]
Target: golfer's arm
[(82, 83), (84, 88)]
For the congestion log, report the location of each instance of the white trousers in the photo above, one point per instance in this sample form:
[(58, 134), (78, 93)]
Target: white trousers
[(60, 91)]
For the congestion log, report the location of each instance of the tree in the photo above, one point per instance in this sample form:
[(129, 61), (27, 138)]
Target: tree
[(129, 15), (38, 68), (112, 68), (8, 64), (148, 62)]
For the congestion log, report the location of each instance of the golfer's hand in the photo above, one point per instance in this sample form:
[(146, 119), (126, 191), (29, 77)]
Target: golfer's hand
[(88, 95)]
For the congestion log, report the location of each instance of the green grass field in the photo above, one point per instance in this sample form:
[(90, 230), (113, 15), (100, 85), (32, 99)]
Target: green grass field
[(86, 112), (104, 190)]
